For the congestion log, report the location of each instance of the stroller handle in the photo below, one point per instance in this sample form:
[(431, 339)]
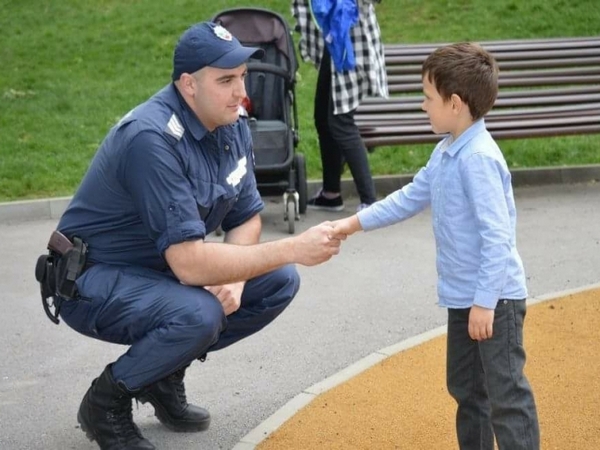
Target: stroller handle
[(270, 68)]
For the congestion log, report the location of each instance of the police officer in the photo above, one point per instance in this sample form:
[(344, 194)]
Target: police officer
[(169, 173)]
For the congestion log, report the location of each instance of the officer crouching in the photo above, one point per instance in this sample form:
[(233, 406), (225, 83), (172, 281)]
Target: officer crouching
[(169, 173)]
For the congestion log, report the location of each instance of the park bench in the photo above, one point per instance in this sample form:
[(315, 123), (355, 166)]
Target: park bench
[(547, 87)]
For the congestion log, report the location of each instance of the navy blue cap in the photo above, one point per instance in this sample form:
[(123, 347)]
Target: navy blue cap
[(209, 44)]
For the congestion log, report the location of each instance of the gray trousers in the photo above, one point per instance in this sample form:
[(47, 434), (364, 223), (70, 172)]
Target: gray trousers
[(487, 381)]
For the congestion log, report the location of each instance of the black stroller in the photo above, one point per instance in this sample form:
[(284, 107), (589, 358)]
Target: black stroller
[(270, 85)]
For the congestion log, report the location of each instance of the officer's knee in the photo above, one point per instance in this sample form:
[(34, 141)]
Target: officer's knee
[(203, 322), (287, 280)]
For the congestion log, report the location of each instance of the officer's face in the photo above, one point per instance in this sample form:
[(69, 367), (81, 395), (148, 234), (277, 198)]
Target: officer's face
[(217, 95)]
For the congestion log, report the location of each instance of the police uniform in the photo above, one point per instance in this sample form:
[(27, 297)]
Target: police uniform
[(161, 178)]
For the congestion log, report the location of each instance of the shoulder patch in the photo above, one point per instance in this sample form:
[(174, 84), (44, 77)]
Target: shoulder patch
[(174, 127)]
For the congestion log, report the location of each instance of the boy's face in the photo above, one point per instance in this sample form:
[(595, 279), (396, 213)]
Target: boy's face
[(440, 112)]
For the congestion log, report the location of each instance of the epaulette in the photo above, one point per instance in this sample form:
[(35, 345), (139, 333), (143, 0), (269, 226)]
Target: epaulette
[(174, 127)]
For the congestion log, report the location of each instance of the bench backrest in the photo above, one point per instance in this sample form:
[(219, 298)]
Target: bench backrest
[(547, 87)]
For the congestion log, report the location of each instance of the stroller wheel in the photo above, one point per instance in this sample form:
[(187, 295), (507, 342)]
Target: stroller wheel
[(301, 184), (290, 213)]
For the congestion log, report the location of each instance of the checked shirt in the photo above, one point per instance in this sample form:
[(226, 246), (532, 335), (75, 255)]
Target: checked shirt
[(369, 78)]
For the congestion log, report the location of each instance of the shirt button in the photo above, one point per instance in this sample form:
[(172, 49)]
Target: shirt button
[(226, 147)]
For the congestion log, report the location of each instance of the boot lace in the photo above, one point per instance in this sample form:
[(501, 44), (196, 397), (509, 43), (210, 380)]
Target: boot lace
[(121, 418), (177, 380)]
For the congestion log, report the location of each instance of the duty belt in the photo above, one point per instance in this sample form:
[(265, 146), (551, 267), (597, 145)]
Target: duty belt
[(57, 271)]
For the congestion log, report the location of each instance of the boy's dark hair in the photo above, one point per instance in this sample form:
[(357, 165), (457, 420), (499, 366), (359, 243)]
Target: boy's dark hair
[(467, 70)]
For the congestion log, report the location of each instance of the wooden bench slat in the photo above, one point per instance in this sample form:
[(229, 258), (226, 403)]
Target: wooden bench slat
[(500, 134), (502, 56), (508, 82), (504, 43), (510, 65), (582, 91), (414, 103), (523, 73), (495, 114), (382, 130), (500, 46)]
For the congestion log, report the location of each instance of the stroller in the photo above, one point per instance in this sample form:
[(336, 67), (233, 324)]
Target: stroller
[(270, 86)]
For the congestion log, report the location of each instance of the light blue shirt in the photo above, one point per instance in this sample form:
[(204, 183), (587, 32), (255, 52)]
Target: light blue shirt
[(468, 185)]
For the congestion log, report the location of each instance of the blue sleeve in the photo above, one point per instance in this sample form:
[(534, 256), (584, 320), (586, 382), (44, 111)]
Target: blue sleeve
[(484, 182), (399, 205), (154, 177)]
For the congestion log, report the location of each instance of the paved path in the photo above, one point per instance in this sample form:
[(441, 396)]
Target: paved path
[(378, 292)]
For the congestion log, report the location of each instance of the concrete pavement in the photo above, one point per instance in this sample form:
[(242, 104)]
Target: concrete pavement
[(378, 292)]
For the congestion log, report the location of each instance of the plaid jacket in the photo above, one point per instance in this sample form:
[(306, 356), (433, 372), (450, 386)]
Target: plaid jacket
[(350, 86)]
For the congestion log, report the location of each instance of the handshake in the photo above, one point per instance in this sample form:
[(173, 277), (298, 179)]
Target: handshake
[(319, 243)]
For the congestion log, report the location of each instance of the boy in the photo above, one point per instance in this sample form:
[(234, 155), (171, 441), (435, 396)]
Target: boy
[(480, 273)]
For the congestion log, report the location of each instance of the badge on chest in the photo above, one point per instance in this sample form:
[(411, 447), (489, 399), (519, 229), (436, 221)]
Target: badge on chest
[(238, 173)]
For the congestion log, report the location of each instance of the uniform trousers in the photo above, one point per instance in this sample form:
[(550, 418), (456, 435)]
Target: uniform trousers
[(167, 324)]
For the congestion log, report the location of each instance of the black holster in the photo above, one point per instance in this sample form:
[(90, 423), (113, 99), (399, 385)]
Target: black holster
[(57, 271)]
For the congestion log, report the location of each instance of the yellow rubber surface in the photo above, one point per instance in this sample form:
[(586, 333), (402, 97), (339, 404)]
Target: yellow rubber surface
[(402, 402)]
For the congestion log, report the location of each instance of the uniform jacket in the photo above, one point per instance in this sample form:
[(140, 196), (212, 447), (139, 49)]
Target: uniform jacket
[(160, 178)]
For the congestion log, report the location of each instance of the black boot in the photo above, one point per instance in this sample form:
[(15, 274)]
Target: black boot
[(171, 406), (105, 416)]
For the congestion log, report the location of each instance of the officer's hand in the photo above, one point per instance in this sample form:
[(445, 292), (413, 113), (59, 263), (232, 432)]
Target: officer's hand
[(316, 245), (230, 296), (481, 321)]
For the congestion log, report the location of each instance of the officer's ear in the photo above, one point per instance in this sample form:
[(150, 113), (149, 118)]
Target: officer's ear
[(188, 84)]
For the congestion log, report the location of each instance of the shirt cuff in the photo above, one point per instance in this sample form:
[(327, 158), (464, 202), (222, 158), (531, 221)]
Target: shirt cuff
[(485, 299), (186, 231), (367, 220), (229, 223)]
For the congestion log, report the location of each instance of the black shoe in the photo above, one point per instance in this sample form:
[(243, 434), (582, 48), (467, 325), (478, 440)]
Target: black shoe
[(320, 202), (171, 406), (105, 416)]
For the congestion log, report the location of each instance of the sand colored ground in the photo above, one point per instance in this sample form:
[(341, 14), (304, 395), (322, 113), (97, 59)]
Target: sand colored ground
[(402, 402)]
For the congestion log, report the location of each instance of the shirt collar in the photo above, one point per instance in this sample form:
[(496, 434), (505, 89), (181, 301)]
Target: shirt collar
[(476, 128), (174, 99)]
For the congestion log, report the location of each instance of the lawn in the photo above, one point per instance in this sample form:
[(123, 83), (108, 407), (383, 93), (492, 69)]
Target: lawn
[(70, 69)]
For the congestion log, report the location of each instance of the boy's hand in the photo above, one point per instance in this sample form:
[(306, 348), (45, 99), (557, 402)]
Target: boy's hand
[(481, 323), (346, 227)]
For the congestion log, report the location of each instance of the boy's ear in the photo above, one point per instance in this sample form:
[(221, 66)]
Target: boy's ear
[(457, 103)]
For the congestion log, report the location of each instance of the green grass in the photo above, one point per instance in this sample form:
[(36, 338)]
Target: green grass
[(70, 69)]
